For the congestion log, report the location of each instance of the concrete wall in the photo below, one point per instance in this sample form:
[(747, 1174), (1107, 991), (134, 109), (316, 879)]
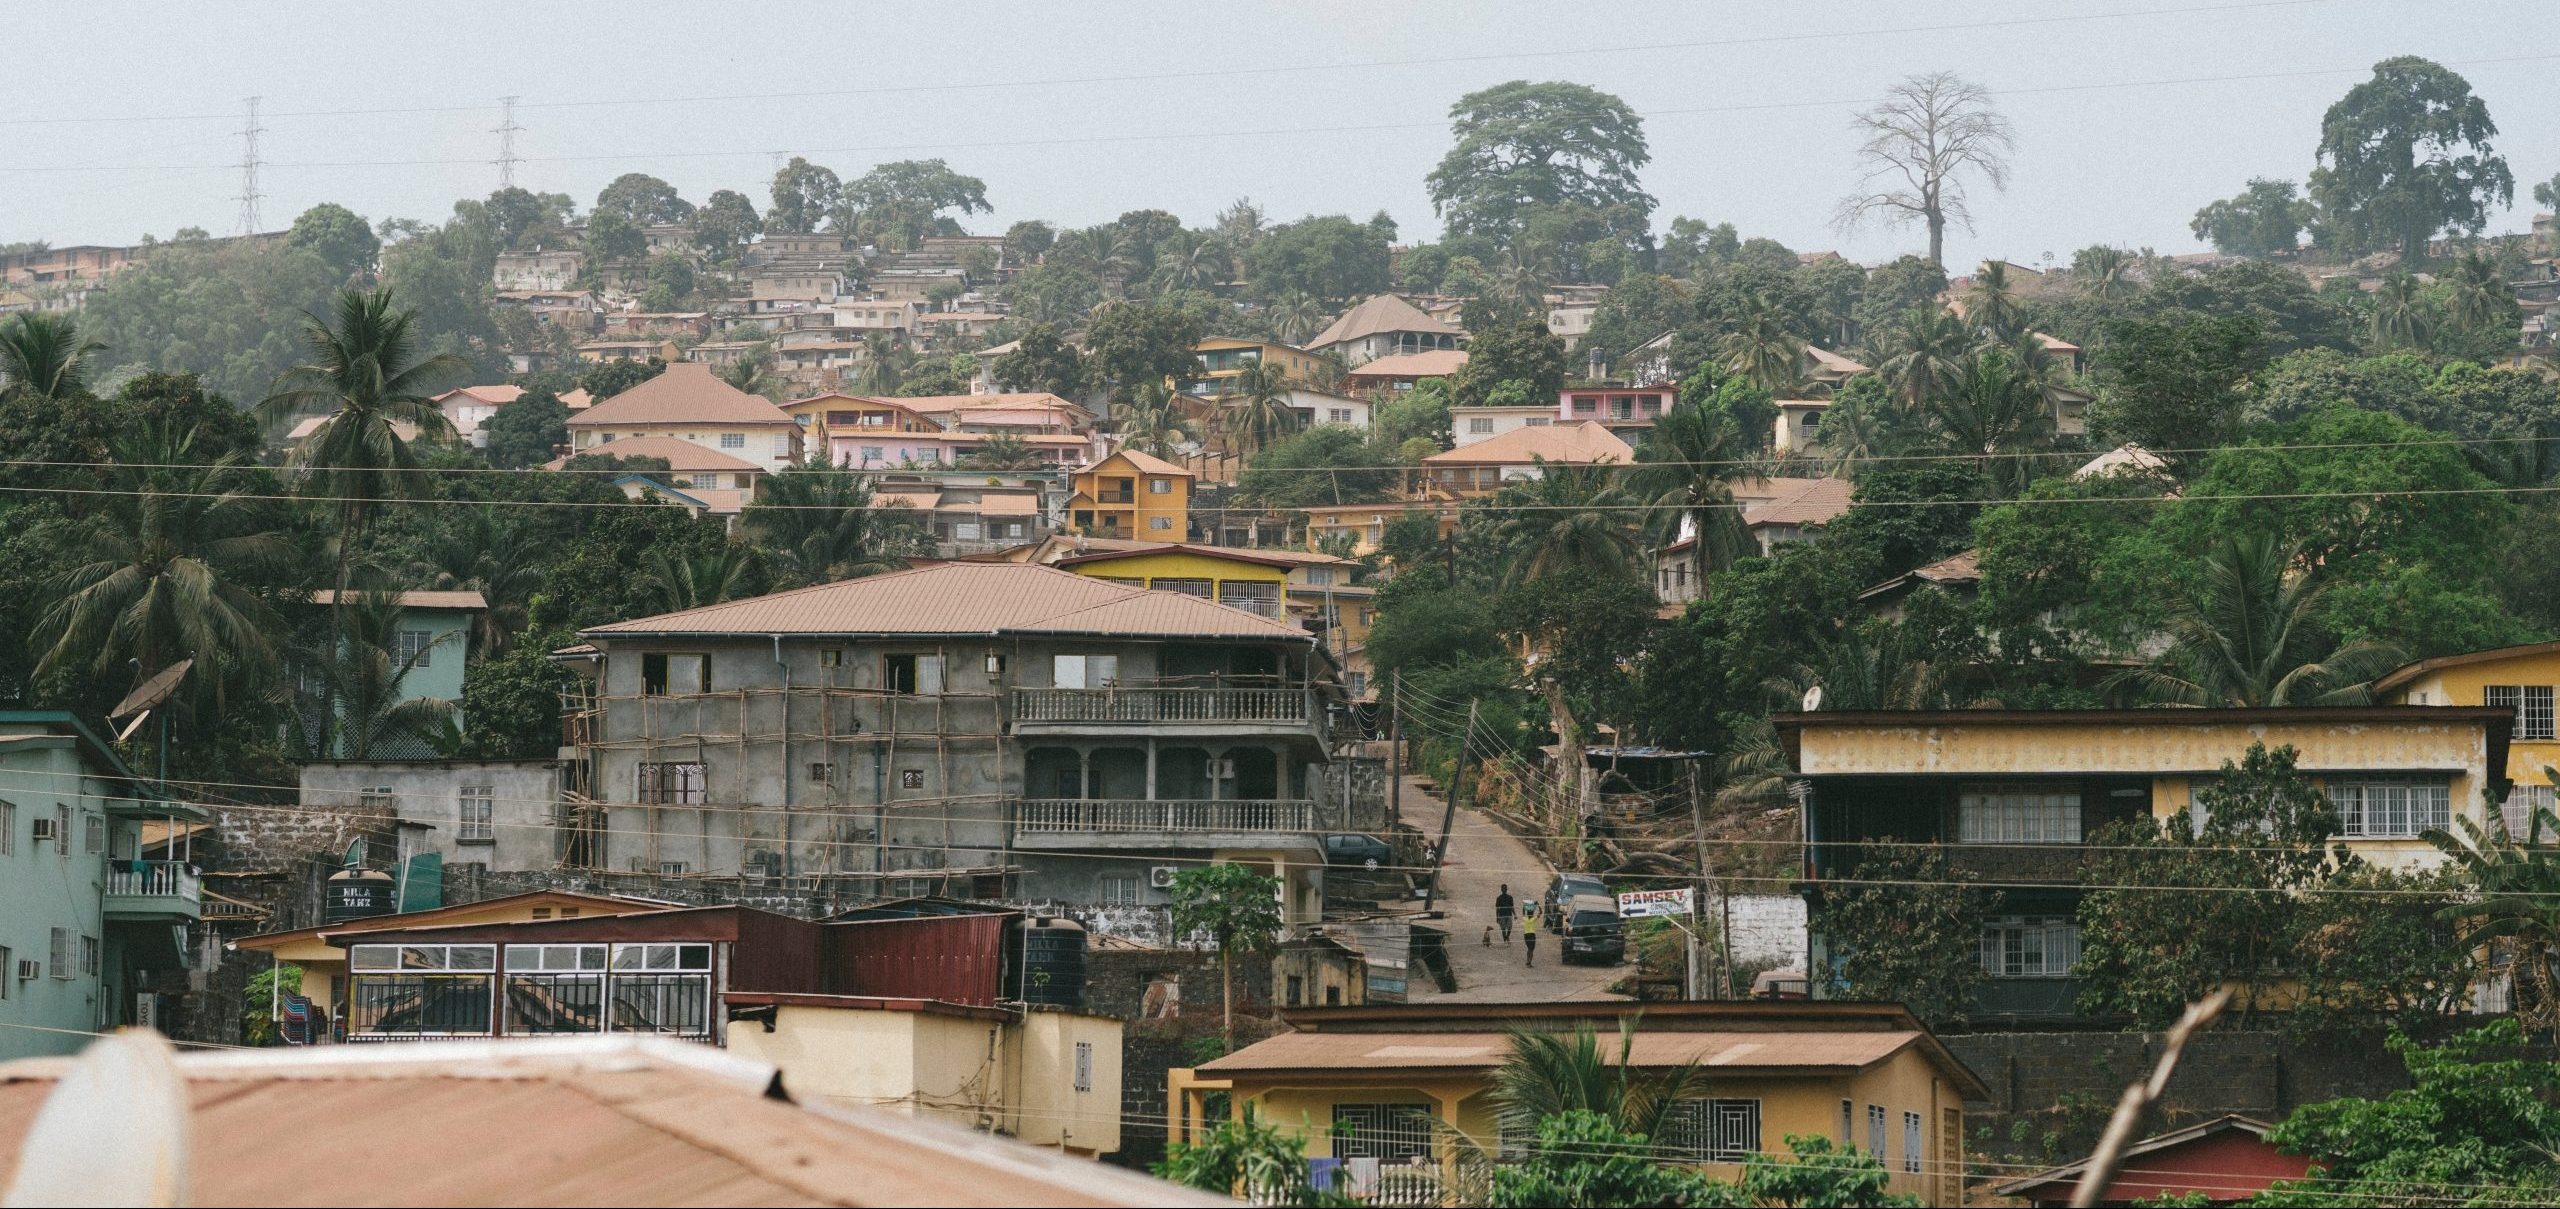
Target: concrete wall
[(48, 884), (1766, 927), (426, 797)]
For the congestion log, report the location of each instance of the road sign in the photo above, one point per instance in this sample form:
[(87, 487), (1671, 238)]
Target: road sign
[(1639, 904)]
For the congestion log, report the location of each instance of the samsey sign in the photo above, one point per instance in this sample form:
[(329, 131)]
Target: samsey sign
[(1639, 904)]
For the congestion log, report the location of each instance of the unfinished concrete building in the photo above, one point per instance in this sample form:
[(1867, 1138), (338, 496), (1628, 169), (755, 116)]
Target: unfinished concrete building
[(972, 729)]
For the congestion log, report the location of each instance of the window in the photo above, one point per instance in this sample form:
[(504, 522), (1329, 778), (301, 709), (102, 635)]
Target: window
[(2523, 802), (58, 958), (1541, 421), (412, 647), (1717, 1131), (62, 831), (555, 988), (831, 657), (910, 778), (1338, 415), (2020, 814), (1848, 1123), (2019, 946), (874, 453), (733, 440), (661, 988), (822, 773), (1391, 1133), (1159, 486), (1911, 1142), (8, 972), (2532, 706), (1084, 671), (1320, 577), (479, 815), (2396, 808), (1084, 1066), (782, 444), (89, 956), (1189, 587), (8, 842), (93, 833), (1119, 891), (673, 784), (421, 990), (1159, 522), (670, 674), (919, 675), (1875, 1131)]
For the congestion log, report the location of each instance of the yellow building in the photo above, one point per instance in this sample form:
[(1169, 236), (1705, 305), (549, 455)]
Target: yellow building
[(1242, 579), (2013, 798), (1131, 494), (2521, 679), (1412, 1086), (1223, 359), (324, 965), (1301, 585)]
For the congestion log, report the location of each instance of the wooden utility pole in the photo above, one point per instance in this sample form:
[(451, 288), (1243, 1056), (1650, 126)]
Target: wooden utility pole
[(1706, 878), (1395, 748), (1449, 812)]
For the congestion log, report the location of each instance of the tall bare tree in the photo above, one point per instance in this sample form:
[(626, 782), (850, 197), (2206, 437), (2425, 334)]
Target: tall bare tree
[(1923, 139)]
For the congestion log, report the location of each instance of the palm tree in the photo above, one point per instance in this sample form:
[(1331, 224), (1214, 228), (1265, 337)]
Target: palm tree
[(884, 365), (1569, 518), (367, 377), (2244, 631), (1550, 1073), (2103, 273), (482, 550), (2399, 315), (1151, 422), (1923, 351), (1761, 348), (1296, 317), (350, 698), (2476, 294), (1991, 302), (1204, 264), (819, 525), (753, 372), (1994, 408), (1877, 666), (670, 582), (1686, 469), (1256, 413), (44, 356), (1001, 452), (158, 569), (2517, 908)]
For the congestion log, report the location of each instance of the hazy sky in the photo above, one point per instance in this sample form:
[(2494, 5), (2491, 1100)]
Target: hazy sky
[(2126, 123)]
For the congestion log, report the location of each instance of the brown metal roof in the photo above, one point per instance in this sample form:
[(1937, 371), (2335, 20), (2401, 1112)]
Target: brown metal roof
[(1816, 502), (681, 455), (581, 1122), (967, 598), (413, 599), (2400, 676), (687, 393), (1479, 1050), (1568, 444), (1430, 363), (602, 903), (1380, 313)]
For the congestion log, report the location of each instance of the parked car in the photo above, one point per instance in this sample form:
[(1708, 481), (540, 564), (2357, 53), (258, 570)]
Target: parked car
[(1568, 886), (1587, 926), (1365, 851)]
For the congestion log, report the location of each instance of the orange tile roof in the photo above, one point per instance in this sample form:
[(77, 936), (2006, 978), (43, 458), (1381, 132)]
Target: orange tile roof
[(1570, 444), (967, 598), (687, 393), (680, 454)]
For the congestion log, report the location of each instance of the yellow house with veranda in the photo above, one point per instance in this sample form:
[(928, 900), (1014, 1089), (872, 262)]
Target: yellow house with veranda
[(2523, 679), (1131, 495)]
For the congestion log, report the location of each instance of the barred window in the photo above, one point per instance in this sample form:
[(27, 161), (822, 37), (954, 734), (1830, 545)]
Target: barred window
[(2019, 814), (2390, 808), (1120, 891), (1392, 1133), (680, 784), (1848, 1123), (1911, 1142), (2531, 703), (1084, 1066), (413, 647), (1712, 1131), (58, 959), (1875, 1131), (2019, 946)]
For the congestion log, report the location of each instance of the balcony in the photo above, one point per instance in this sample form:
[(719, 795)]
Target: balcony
[(151, 891), (1122, 496), (1163, 710), (1097, 816)]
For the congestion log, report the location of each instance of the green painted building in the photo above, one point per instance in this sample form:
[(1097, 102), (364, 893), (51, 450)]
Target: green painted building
[(96, 894)]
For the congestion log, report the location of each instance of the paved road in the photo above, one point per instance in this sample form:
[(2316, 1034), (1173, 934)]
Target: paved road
[(1482, 856)]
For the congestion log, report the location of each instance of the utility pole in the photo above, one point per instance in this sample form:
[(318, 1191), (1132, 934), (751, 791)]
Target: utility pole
[(1395, 747), (249, 162), (1697, 840), (1449, 812), (507, 130)]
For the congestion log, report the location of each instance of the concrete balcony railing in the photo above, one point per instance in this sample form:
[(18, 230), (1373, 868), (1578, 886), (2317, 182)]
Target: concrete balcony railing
[(1151, 705), (1097, 816), (154, 890)]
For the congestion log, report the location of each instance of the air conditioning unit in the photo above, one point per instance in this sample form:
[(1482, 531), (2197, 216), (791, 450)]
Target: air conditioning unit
[(29, 969), (1160, 876), (46, 830)]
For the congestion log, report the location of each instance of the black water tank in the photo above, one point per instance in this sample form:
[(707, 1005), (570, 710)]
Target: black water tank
[(359, 894), (1053, 963)]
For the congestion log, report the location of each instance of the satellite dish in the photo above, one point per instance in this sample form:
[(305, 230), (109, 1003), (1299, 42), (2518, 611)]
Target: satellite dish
[(154, 690), (1813, 699)]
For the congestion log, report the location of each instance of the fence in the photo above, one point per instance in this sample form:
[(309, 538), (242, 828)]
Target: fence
[(1096, 815), (1160, 705)]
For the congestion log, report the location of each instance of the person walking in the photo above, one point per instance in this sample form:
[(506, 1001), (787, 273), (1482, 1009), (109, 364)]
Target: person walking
[(1502, 912), (1529, 932)]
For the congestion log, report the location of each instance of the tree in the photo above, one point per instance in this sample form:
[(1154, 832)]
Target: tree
[(1326, 464), (1040, 361), (511, 703), (2103, 273), (612, 239), (1922, 141), (42, 357), (1135, 343), (1523, 146), (1819, 1171), (896, 203), (1238, 910), (1993, 412), (1903, 927), (726, 222), (672, 581), (1550, 1074), (1330, 258), (340, 237), (1567, 518), (2245, 631), (2476, 1122), (367, 380), (819, 525), (2175, 382), (2515, 906), (641, 200), (2265, 219), (1524, 351), (1872, 665), (1892, 290), (803, 195), (350, 700), (1245, 1157), (1687, 466), (442, 274), (1579, 1157), (2405, 155), (219, 311), (1150, 422), (1924, 354), (1762, 350), (489, 551), (1256, 413), (521, 216), (602, 382)]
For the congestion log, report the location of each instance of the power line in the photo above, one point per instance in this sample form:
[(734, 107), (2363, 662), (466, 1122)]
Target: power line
[(1223, 73)]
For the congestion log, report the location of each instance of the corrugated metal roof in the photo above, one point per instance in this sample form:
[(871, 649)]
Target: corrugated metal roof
[(1816, 502), (1716, 1050), (687, 393), (1431, 363), (1570, 444), (584, 1122), (967, 598), (413, 599), (1380, 313), (680, 454)]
